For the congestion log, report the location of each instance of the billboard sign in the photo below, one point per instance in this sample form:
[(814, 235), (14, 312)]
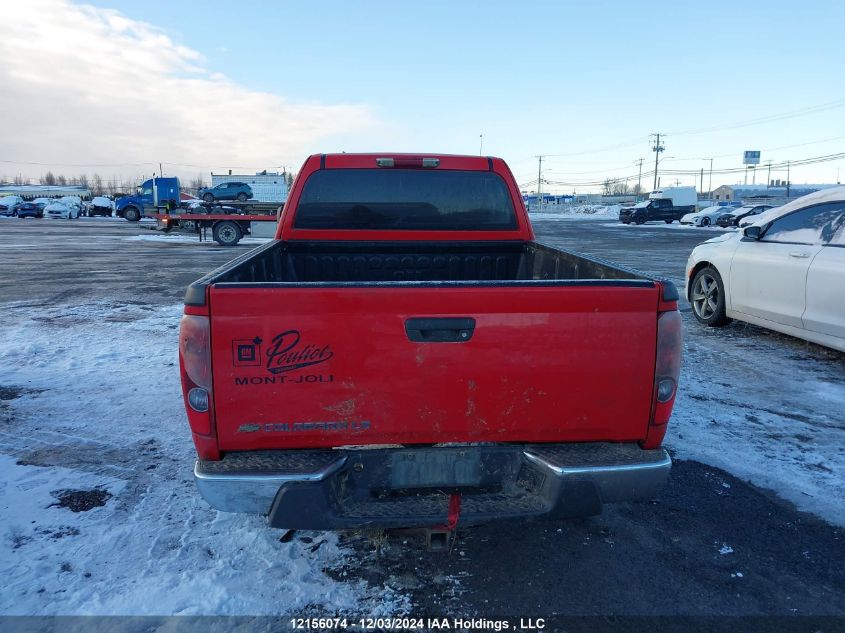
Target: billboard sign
[(751, 157)]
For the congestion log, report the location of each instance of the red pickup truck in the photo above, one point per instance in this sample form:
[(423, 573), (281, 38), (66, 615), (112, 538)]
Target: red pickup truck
[(404, 354)]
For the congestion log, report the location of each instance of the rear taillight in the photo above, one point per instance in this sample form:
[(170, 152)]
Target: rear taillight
[(195, 365), (667, 370)]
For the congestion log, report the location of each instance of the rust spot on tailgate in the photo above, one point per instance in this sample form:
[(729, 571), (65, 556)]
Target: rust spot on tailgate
[(345, 408)]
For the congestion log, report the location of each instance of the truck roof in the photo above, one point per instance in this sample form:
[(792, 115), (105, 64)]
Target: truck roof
[(389, 161)]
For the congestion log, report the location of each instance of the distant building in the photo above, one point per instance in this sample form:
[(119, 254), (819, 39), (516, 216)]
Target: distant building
[(29, 192), (548, 198), (777, 189)]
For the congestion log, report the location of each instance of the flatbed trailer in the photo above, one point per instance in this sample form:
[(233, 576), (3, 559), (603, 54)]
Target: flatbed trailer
[(227, 229), (248, 206)]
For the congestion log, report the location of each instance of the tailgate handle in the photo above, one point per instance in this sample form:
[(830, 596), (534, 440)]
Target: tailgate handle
[(446, 330)]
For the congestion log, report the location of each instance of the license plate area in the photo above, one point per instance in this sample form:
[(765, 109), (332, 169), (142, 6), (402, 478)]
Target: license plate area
[(434, 468)]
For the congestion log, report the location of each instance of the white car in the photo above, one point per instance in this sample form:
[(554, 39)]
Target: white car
[(706, 216), (59, 210), (785, 272), (74, 202)]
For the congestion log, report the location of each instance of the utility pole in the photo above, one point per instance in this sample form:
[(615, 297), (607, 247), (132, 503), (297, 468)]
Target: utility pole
[(540, 185), (480, 144), (702, 180), (656, 149), (639, 178), (787, 180), (769, 176), (160, 172), (710, 180)]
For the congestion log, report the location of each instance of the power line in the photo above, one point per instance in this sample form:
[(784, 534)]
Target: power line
[(787, 164), (608, 148), (831, 105)]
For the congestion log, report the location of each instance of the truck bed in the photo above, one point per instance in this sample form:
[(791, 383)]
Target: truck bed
[(377, 262)]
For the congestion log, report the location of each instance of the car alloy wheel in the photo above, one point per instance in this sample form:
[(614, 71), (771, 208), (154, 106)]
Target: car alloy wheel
[(705, 221), (708, 298), (705, 296)]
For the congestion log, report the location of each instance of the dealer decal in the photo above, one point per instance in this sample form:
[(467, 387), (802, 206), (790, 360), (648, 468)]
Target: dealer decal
[(285, 353)]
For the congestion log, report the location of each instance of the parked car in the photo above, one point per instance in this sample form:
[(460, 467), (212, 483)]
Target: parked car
[(785, 272), (760, 217), (488, 358), (29, 210), (73, 201), (227, 191), (100, 205), (9, 205), (707, 216), (43, 202), (59, 210), (736, 215)]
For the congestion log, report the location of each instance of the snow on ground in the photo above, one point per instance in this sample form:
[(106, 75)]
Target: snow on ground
[(677, 226), (176, 238), (572, 211), (167, 238), (764, 408), (91, 419)]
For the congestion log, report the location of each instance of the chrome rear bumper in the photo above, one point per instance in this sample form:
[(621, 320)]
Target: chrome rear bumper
[(403, 487)]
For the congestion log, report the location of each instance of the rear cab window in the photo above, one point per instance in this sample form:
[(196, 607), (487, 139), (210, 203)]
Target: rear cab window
[(405, 199)]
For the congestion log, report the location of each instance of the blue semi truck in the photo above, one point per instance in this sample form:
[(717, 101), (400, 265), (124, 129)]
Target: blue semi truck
[(153, 196)]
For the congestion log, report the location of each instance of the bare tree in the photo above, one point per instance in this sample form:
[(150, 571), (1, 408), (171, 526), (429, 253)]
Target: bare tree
[(620, 188), (49, 178), (97, 185), (196, 184), (61, 180)]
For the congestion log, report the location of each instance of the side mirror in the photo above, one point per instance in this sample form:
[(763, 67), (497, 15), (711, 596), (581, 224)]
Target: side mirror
[(753, 232)]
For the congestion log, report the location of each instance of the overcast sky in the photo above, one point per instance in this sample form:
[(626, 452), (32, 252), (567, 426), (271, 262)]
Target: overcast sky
[(117, 88)]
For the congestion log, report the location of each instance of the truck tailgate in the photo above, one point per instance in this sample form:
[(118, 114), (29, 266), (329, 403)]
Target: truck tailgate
[(297, 367)]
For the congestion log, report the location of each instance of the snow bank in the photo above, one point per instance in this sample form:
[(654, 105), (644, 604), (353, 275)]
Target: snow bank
[(177, 238), (99, 407), (586, 211)]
